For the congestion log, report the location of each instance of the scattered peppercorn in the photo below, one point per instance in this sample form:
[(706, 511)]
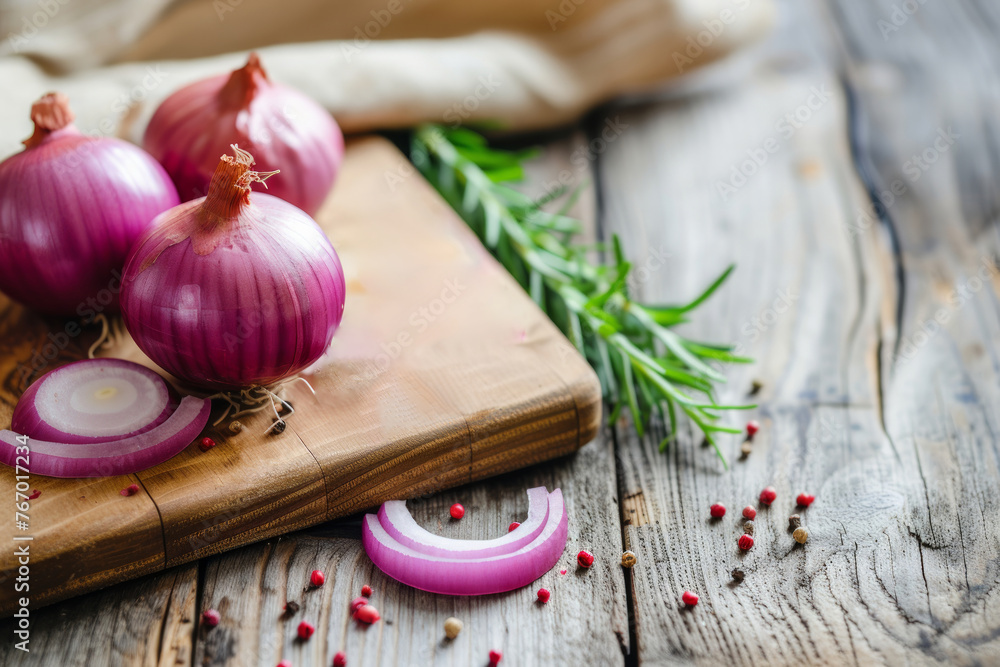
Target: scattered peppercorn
[(286, 406), (130, 490), (756, 386), (752, 428), (206, 444), (457, 511), (718, 510), (367, 614), (748, 527), (495, 657), (340, 660), (235, 426), (366, 591), (800, 535), (34, 494), (306, 630), (512, 526), (628, 559), (794, 521), (562, 571), (585, 559), (358, 603), (805, 500), (317, 578), (745, 542), (738, 575), (544, 595), (689, 598), (746, 448), (291, 608), (211, 618), (768, 495), (278, 426), (452, 626), (285, 663), (749, 513)]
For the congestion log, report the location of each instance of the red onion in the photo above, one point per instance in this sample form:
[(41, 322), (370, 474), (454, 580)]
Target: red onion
[(95, 400), (469, 576), (116, 457), (231, 290), (282, 127), (399, 524), (70, 208)]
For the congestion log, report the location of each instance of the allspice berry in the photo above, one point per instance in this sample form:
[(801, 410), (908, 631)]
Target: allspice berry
[(738, 575), (235, 426), (794, 521), (748, 527), (628, 559), (452, 626), (800, 535)]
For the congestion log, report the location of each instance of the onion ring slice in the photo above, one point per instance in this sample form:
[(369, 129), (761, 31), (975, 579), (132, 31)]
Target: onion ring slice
[(115, 457), (94, 401), (400, 525), (469, 576)]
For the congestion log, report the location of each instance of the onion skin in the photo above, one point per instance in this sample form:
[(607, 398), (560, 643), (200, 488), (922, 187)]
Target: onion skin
[(232, 291), (469, 576), (27, 421), (283, 128), (119, 457), (71, 206)]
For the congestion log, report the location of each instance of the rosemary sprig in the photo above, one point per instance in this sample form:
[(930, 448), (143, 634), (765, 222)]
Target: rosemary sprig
[(643, 365)]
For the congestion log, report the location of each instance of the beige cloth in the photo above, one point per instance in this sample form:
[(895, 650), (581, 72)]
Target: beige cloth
[(524, 64)]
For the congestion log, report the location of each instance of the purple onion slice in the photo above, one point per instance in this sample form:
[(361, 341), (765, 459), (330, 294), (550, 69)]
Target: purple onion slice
[(94, 401)]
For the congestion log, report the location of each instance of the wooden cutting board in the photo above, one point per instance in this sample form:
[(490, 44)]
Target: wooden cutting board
[(443, 372)]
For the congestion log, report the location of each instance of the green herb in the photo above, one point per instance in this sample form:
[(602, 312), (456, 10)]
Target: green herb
[(643, 364)]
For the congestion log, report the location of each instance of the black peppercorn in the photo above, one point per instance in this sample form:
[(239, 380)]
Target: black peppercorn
[(794, 521), (738, 575), (279, 426)]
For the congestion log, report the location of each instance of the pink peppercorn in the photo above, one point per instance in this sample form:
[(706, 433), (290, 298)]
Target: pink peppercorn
[(340, 660), (689, 598), (752, 428), (544, 595), (745, 542), (130, 490), (367, 614), (512, 526), (317, 578), (585, 559), (206, 444), (805, 500), (562, 571), (357, 603), (210, 618), (285, 663), (768, 495), (718, 510), (749, 513), (457, 511), (34, 494), (495, 657), (306, 630), (366, 591)]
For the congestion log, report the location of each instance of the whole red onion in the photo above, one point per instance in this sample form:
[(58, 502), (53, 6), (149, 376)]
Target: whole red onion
[(71, 206), (279, 125), (231, 290)]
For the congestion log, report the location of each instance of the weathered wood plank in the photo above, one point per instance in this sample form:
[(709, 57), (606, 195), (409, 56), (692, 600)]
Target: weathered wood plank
[(148, 622), (901, 562)]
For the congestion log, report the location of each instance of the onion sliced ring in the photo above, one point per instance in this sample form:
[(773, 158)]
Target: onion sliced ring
[(399, 524), (94, 401), (115, 457), (469, 576)]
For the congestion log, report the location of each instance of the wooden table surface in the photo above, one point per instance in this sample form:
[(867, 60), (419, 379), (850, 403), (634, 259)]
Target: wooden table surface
[(875, 332)]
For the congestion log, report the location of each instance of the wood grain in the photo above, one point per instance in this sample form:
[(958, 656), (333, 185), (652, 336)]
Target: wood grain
[(897, 444), (427, 385)]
